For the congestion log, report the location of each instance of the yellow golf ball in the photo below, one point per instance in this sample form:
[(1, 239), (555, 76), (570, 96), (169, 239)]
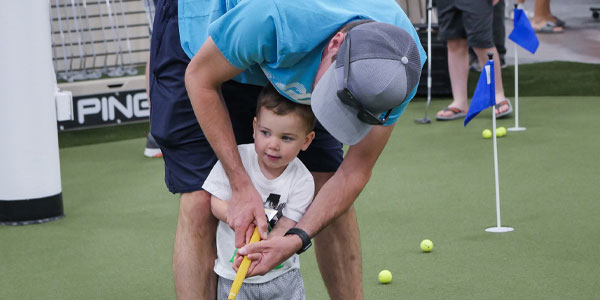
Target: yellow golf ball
[(486, 134), (426, 245), (385, 276), (500, 131)]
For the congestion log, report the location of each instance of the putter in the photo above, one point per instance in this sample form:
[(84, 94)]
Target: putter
[(114, 24), (149, 15), (69, 74), (426, 119), (92, 73), (130, 70), (273, 212), (80, 75), (104, 69), (53, 32), (55, 57), (63, 74)]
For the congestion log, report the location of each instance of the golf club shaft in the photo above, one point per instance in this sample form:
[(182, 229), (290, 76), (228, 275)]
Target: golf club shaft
[(148, 15), (114, 24), (70, 35), (125, 27), (62, 37), (103, 37), (82, 57), (243, 269), (429, 8), (89, 30)]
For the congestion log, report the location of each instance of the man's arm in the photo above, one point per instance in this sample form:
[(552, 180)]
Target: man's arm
[(341, 190), (203, 78), (334, 198)]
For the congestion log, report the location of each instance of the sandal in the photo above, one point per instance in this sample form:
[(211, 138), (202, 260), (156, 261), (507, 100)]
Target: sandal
[(559, 22), (506, 113), (549, 27), (456, 113)]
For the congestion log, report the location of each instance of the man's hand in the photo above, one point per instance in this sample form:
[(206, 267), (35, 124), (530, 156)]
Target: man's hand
[(246, 211), (266, 255)]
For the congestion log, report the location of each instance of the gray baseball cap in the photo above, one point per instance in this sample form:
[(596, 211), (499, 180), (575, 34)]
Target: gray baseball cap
[(364, 84)]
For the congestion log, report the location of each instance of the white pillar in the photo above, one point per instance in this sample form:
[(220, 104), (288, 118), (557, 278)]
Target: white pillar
[(30, 188)]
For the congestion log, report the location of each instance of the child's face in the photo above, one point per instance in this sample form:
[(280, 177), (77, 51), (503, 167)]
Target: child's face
[(278, 140)]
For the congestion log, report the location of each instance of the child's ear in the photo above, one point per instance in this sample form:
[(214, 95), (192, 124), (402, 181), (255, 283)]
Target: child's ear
[(254, 124), (307, 140)]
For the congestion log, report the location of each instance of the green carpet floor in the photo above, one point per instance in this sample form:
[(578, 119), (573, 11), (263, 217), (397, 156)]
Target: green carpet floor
[(433, 181)]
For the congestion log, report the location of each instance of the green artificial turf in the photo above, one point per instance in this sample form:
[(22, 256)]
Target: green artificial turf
[(433, 181), (557, 78), (92, 136), (114, 241), (437, 182)]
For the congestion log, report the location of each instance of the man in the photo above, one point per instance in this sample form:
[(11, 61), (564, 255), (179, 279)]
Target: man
[(464, 24), (236, 47)]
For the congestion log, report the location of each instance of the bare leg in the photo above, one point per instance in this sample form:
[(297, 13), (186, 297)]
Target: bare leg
[(458, 67), (542, 14), (342, 273), (195, 248), (541, 10), (482, 55)]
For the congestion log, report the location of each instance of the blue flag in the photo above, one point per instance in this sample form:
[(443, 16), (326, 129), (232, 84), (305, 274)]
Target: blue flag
[(485, 93), (522, 33)]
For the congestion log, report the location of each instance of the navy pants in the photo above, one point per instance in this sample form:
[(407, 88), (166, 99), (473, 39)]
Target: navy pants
[(187, 154)]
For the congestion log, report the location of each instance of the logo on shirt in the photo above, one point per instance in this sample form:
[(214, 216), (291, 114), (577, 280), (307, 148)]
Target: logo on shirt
[(295, 91)]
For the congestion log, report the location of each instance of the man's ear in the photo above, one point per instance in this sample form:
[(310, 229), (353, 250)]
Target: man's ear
[(335, 43)]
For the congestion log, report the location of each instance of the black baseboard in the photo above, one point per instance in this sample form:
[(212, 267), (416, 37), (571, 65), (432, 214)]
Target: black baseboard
[(31, 211)]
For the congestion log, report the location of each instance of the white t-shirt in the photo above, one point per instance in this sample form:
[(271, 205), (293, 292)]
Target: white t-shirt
[(295, 186)]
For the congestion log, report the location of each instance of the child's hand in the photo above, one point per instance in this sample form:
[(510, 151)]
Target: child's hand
[(267, 254), (256, 258)]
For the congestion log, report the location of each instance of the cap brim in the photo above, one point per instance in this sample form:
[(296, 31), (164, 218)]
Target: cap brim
[(339, 119)]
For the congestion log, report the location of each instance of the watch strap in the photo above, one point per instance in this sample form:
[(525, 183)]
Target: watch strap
[(306, 242)]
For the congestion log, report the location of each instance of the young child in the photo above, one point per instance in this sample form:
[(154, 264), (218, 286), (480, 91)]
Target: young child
[(281, 129)]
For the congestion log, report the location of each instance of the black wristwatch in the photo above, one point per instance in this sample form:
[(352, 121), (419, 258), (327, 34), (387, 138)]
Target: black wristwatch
[(306, 243)]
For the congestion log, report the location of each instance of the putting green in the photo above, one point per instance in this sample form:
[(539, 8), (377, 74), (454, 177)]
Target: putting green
[(433, 181)]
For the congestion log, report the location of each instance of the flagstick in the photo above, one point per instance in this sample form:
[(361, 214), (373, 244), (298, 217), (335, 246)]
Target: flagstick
[(516, 128), (498, 227)]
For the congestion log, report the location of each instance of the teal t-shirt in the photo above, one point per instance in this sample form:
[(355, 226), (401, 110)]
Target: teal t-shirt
[(281, 40)]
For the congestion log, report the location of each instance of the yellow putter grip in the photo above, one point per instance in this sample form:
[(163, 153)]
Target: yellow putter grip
[(243, 269)]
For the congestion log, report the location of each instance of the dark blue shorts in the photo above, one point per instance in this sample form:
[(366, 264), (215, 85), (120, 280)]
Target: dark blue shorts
[(187, 154)]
